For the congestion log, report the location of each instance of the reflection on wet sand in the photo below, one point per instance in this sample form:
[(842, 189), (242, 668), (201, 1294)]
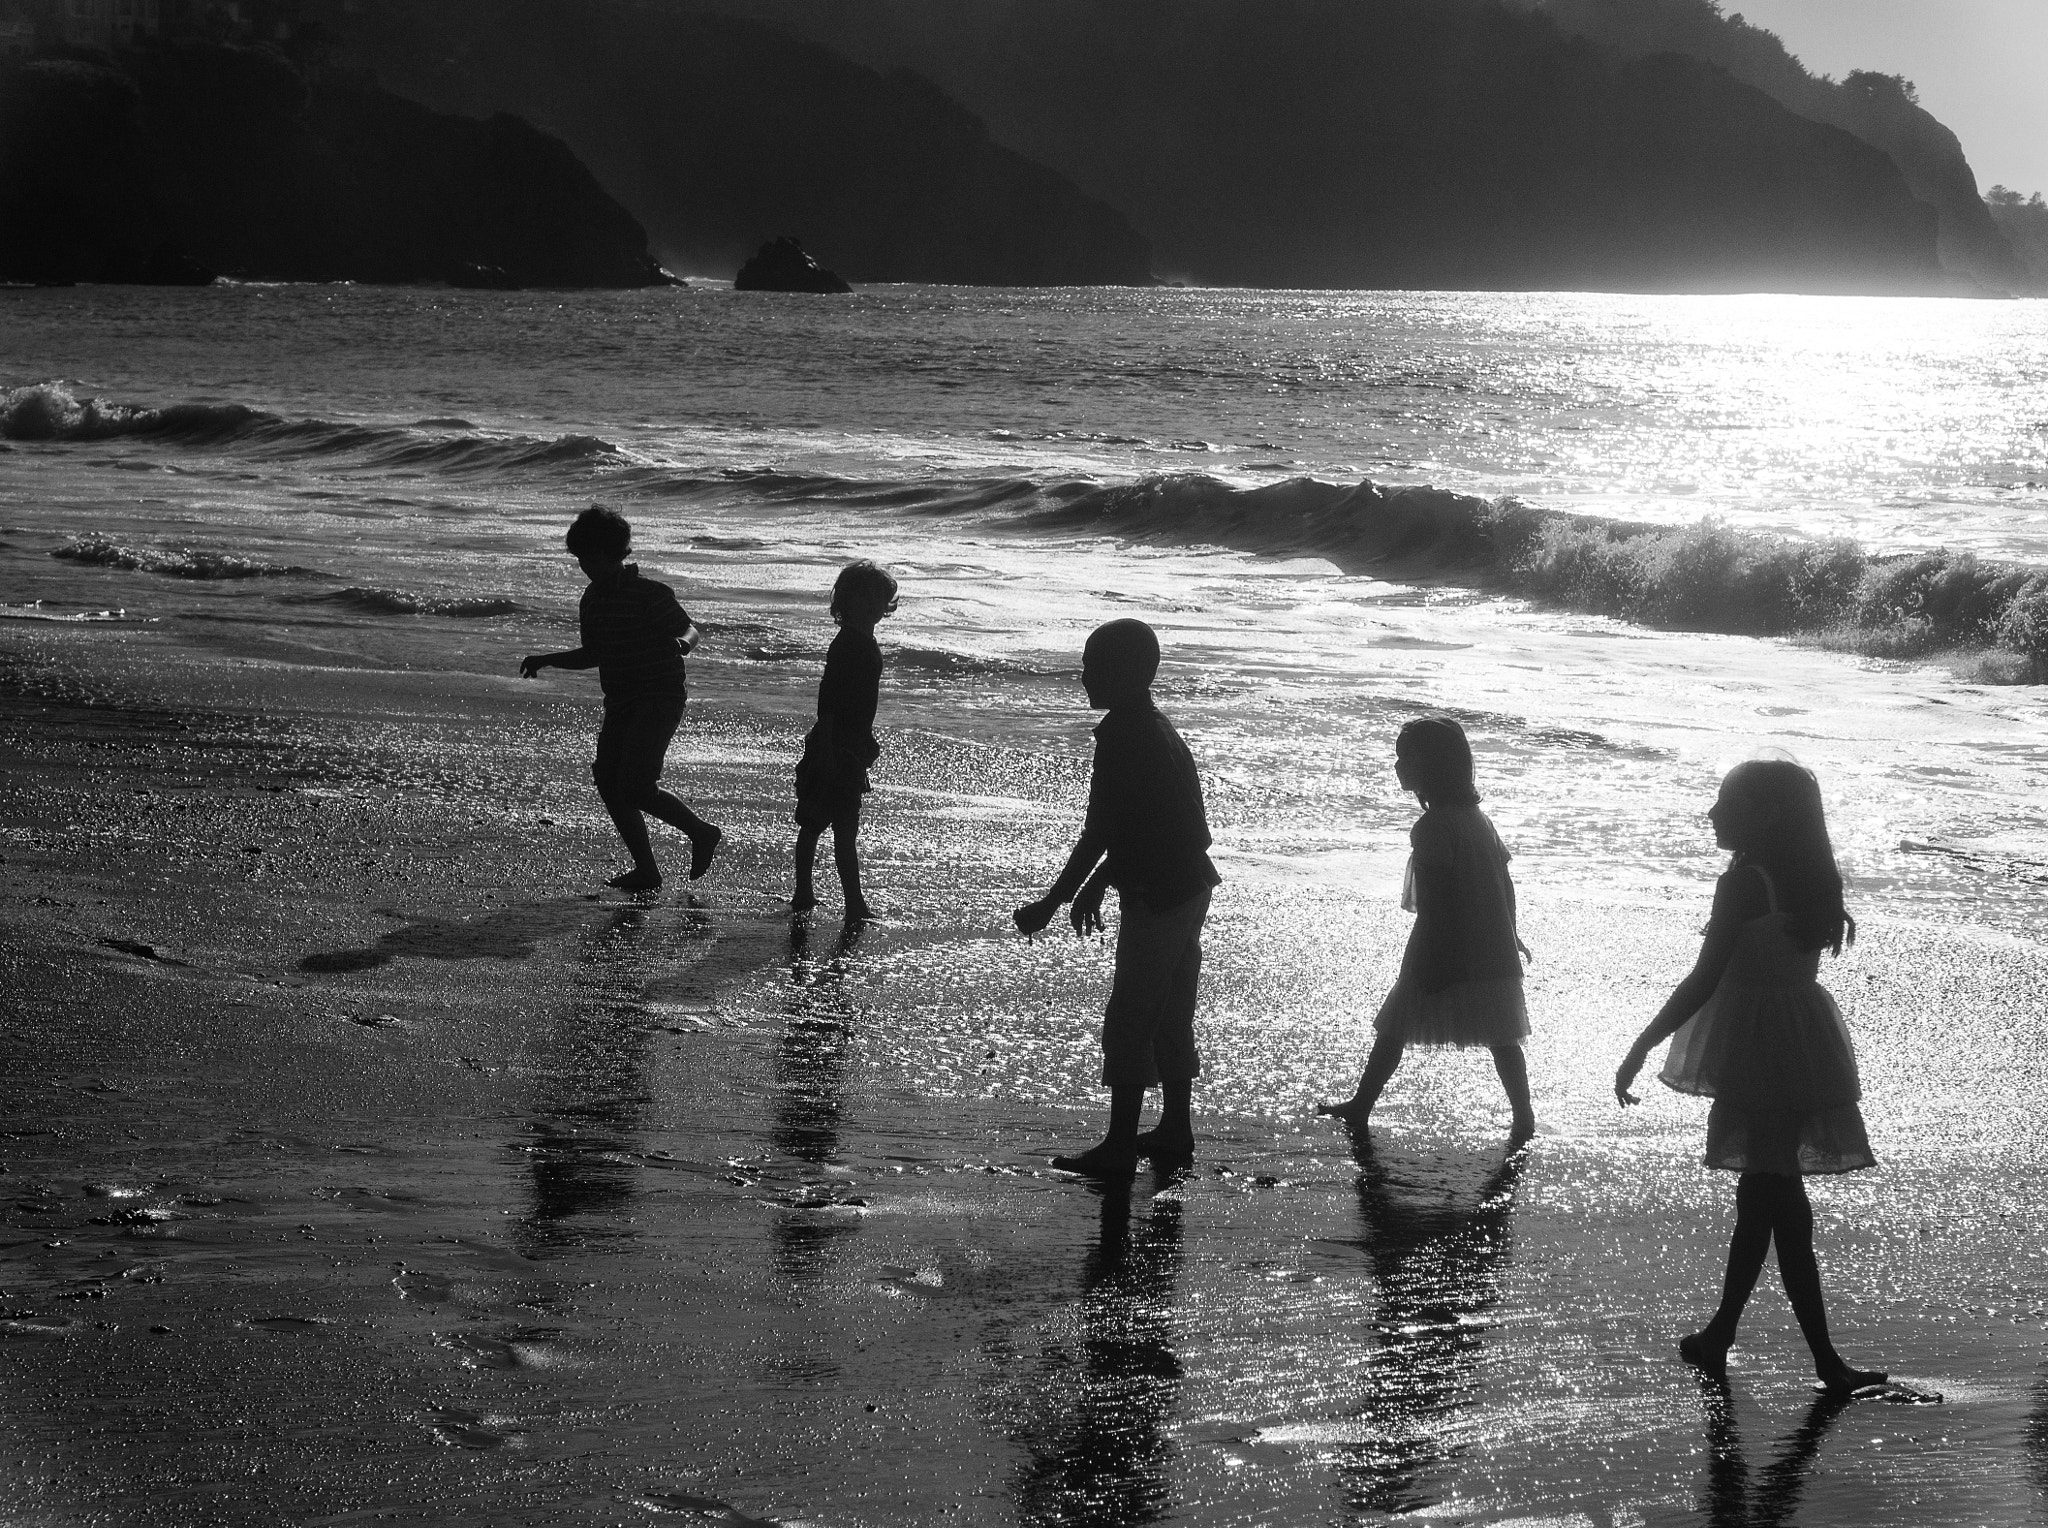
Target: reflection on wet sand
[(810, 1063), (810, 1077), (1735, 1498), (1096, 1444), (582, 1171), (1439, 1245)]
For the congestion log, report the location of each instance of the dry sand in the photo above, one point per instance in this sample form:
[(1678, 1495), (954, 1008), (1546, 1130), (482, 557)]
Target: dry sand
[(362, 1163)]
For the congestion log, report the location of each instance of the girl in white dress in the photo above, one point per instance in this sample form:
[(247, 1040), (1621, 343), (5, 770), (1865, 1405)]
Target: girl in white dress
[(1753, 1029), (1461, 975)]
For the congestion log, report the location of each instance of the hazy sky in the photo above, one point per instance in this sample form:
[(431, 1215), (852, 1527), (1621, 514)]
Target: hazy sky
[(1981, 65)]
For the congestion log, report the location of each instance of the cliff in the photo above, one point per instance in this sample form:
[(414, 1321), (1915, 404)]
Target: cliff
[(2024, 222), (1407, 143), (1881, 109), (228, 159), (720, 132)]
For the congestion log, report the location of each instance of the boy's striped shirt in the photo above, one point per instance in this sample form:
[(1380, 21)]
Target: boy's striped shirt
[(633, 626)]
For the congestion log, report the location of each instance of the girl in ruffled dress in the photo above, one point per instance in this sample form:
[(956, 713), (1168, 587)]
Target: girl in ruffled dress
[(1753, 1029), (1461, 975)]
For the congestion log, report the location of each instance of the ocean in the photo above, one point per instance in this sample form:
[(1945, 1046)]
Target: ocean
[(389, 468), (337, 494)]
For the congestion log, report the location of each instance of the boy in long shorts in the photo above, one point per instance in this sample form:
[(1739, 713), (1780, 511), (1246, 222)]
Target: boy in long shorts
[(1147, 827), (635, 635)]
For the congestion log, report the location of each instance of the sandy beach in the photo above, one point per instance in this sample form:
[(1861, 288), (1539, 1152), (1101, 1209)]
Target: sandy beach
[(365, 1163)]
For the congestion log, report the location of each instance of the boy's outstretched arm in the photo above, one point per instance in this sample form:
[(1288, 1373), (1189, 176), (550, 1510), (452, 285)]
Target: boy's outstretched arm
[(576, 658), (1033, 916)]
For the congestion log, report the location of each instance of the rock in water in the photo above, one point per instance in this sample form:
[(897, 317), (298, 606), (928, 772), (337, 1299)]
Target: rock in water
[(783, 265)]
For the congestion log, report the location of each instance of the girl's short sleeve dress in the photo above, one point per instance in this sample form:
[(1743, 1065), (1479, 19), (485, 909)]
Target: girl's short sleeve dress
[(1484, 1006), (1771, 1050)]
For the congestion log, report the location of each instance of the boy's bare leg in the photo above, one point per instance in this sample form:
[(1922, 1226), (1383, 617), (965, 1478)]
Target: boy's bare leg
[(1117, 1153), (704, 836), (803, 898), (1513, 1067), (846, 857), (1174, 1135), (1379, 1066), (646, 872)]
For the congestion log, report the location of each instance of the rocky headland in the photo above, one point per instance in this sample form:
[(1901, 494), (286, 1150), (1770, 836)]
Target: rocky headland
[(177, 162), (720, 132), (1409, 143)]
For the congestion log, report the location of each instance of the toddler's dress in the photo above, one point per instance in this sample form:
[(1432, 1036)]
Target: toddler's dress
[(1482, 1004), (1771, 1050)]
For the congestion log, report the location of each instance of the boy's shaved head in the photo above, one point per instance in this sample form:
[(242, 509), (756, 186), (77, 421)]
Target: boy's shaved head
[(1125, 653)]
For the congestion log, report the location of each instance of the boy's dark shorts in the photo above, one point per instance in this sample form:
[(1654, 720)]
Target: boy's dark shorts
[(1148, 1030), (829, 785), (633, 742)]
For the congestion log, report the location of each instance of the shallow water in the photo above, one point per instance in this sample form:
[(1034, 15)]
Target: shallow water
[(487, 1201)]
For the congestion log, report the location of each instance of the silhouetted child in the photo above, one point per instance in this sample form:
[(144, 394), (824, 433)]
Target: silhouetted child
[(832, 775), (634, 635), (1147, 827), (1461, 975), (1756, 1032)]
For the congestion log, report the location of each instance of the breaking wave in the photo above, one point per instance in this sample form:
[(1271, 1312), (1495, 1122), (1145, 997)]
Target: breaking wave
[(173, 562), (1708, 576), (399, 602), (51, 411), (1702, 577)]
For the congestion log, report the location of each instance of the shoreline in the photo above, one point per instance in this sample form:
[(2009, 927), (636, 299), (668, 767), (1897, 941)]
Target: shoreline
[(469, 1194)]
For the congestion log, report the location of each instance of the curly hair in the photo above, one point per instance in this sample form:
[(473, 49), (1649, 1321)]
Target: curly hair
[(868, 579), (600, 531)]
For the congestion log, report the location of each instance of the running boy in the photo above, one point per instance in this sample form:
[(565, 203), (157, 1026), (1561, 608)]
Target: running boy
[(1147, 826), (635, 636)]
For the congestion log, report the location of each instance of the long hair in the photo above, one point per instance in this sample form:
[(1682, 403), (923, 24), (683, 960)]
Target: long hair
[(1794, 850), (1439, 760)]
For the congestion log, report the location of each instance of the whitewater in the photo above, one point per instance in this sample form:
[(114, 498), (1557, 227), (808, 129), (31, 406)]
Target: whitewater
[(358, 472)]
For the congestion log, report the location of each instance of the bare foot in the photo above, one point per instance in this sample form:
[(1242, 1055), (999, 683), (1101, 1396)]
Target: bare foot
[(802, 902), (1839, 1379), (1353, 1111), (1522, 1129), (1704, 1350), (859, 912), (1104, 1161), (702, 847), (637, 880), (1164, 1147)]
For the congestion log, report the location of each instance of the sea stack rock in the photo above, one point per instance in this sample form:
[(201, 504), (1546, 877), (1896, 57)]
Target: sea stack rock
[(782, 265)]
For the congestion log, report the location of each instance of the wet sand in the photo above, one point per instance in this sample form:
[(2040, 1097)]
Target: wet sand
[(363, 1162)]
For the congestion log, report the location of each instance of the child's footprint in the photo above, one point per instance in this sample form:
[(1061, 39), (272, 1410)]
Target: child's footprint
[(473, 1429), (526, 1347), (706, 1510)]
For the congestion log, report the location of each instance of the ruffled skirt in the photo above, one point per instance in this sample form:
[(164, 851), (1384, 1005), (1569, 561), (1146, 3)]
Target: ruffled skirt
[(1777, 1061), (1464, 1013)]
